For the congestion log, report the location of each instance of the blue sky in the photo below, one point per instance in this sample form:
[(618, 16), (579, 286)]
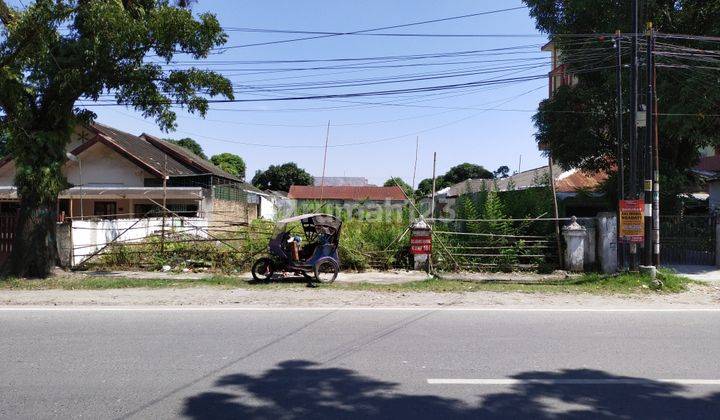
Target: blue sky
[(489, 138)]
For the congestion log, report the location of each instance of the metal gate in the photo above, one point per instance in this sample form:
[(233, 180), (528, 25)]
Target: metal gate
[(7, 234), (687, 240)]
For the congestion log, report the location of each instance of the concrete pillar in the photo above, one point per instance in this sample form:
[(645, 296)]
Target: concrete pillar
[(65, 244), (607, 242), (590, 254), (421, 244), (575, 236)]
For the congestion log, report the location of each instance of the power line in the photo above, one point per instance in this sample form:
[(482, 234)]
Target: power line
[(405, 25)]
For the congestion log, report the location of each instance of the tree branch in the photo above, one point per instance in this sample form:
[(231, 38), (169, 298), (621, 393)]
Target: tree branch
[(6, 14)]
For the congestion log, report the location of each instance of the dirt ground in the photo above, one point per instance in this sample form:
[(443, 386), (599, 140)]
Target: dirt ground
[(374, 277), (696, 297)]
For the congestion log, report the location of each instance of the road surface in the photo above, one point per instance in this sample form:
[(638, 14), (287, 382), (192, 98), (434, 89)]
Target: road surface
[(354, 363)]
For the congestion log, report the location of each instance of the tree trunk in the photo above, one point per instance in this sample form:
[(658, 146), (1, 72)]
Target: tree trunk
[(39, 156), (34, 251)]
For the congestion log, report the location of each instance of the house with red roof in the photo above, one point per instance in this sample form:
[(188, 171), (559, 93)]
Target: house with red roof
[(341, 195)]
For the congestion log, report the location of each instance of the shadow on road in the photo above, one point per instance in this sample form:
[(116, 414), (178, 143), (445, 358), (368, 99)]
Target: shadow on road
[(303, 389)]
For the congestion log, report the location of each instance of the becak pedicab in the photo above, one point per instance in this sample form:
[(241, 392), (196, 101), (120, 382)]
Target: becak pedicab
[(316, 258)]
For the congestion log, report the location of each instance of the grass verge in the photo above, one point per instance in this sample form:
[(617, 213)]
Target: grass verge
[(589, 283)]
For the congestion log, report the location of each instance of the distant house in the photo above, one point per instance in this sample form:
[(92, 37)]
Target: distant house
[(117, 190), (341, 181), (346, 195), (708, 170), (115, 174), (568, 185)]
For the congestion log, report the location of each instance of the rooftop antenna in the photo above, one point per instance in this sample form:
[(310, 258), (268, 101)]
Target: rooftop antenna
[(519, 164), (417, 147), (322, 179)]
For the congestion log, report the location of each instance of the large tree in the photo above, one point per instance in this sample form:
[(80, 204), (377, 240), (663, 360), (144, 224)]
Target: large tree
[(578, 124), (466, 171), (54, 53), (230, 163), (190, 145), (281, 177)]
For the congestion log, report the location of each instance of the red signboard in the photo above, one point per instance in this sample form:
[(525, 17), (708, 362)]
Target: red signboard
[(421, 245), (632, 221)]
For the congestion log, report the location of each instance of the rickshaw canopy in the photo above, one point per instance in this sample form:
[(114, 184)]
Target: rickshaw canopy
[(312, 221)]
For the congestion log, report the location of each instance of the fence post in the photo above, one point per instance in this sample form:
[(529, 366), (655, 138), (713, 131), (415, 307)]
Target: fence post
[(575, 236), (607, 242)]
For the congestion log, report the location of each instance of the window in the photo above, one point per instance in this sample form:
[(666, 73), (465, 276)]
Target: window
[(105, 209), (153, 210)]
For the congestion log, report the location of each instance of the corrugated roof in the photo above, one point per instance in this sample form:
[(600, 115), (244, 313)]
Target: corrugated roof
[(189, 158), (310, 192), (341, 181), (575, 180), (565, 181), (709, 163), (144, 151)]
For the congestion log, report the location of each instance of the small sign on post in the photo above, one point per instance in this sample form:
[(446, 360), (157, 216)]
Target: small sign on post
[(632, 221), (421, 245)]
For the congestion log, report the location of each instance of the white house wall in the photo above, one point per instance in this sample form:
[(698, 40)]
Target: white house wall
[(102, 166)]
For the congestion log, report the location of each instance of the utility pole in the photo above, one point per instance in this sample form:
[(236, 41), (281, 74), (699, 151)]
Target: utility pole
[(322, 180), (634, 119), (648, 150), (164, 204), (620, 149), (620, 146), (656, 174), (432, 201)]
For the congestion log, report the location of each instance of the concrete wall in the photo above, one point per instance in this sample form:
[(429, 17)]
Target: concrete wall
[(231, 211), (267, 208), (88, 236)]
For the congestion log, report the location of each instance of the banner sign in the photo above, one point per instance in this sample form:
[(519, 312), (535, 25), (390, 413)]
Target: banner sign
[(421, 245), (632, 221)]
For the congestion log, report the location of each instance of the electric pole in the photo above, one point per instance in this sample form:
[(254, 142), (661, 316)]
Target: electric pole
[(622, 258), (634, 118), (648, 151)]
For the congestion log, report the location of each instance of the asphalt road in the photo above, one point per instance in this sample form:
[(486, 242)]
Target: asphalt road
[(292, 364)]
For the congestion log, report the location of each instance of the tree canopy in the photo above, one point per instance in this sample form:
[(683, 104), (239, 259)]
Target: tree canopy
[(281, 177), (578, 124), (397, 181), (466, 171), (190, 145), (230, 163), (502, 172), (54, 53)]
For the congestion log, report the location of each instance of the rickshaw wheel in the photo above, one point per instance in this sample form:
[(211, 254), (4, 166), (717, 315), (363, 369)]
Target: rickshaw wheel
[(326, 270), (262, 269)]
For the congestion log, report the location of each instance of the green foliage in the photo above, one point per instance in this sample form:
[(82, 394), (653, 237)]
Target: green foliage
[(494, 212), (190, 145), (230, 163), (502, 172), (54, 52), (397, 181), (424, 188), (578, 124), (281, 177), (466, 171)]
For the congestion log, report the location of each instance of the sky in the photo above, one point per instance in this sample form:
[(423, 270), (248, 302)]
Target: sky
[(498, 131)]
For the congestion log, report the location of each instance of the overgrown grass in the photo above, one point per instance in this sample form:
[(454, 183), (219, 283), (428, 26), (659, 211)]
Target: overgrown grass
[(589, 283)]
